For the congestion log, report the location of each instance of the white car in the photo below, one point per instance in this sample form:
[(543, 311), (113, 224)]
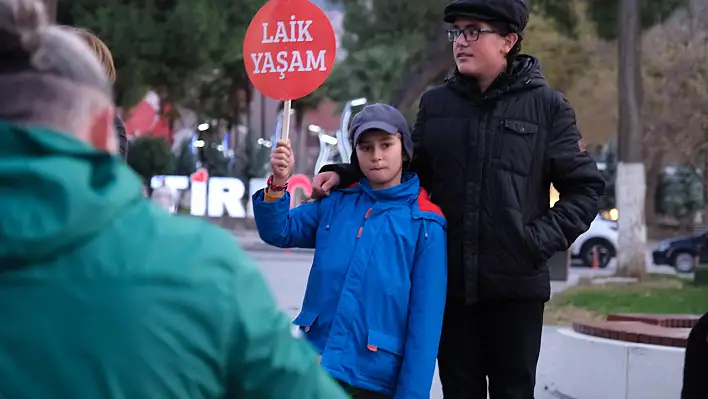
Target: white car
[(600, 237)]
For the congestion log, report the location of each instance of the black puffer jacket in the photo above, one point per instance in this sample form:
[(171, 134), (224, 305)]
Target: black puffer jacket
[(122, 137), (488, 160)]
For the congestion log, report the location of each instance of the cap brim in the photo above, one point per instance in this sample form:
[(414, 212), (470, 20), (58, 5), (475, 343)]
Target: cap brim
[(375, 125)]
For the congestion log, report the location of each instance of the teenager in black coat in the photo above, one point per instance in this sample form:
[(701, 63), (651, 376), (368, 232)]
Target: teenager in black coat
[(488, 144)]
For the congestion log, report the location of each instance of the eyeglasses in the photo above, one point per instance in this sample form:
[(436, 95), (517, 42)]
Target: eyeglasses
[(471, 34)]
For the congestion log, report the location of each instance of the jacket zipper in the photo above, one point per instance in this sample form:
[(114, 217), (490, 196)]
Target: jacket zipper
[(361, 229)]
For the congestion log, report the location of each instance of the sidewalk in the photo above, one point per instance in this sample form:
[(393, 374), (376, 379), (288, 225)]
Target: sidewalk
[(250, 241), (560, 286)]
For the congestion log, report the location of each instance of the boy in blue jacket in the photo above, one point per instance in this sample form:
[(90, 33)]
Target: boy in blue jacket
[(375, 296)]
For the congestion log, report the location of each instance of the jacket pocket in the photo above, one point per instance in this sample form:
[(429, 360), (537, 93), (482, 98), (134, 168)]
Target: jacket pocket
[(512, 239), (540, 250), (382, 359), (532, 248), (305, 320), (514, 146), (377, 341)]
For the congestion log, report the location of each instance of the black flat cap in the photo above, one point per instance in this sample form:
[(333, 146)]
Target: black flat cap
[(515, 13)]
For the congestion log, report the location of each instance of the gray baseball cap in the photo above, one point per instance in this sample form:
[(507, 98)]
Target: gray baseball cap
[(382, 117)]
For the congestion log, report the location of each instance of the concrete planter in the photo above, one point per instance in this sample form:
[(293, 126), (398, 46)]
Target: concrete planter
[(598, 368)]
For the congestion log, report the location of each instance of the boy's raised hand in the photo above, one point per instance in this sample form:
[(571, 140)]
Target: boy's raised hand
[(281, 162)]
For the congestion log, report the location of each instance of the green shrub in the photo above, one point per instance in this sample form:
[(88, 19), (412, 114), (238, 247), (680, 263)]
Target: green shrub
[(701, 275), (150, 156)]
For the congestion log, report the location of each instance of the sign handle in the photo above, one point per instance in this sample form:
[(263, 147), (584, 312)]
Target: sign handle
[(287, 110)]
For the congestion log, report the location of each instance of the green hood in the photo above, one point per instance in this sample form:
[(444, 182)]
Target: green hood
[(56, 192)]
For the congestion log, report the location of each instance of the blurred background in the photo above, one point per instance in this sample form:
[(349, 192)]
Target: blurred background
[(181, 80), (188, 104)]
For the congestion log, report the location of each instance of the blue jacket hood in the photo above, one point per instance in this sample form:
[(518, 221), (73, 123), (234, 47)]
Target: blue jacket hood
[(405, 193)]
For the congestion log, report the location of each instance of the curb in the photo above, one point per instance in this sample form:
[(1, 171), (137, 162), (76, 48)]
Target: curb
[(263, 247)]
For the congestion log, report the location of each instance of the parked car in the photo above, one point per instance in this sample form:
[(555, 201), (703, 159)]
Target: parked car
[(600, 237), (681, 252)]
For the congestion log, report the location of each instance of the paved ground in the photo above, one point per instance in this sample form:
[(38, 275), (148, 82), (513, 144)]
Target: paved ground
[(287, 274), (612, 267), (251, 242)]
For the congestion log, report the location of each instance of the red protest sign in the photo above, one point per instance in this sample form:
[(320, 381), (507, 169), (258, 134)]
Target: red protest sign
[(289, 49)]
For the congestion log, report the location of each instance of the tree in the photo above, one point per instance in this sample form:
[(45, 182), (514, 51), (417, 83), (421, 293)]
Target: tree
[(150, 156), (432, 60), (677, 78), (593, 93), (166, 45), (606, 18), (382, 44), (223, 93), (631, 187), (681, 194), (676, 71), (564, 56), (631, 178), (371, 73)]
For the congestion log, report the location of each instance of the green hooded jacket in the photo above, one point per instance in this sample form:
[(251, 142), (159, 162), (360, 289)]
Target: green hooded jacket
[(104, 295)]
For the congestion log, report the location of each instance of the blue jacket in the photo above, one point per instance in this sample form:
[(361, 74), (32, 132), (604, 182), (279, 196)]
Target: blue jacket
[(376, 292)]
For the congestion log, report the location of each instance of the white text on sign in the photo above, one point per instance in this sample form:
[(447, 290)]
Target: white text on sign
[(283, 62), (281, 32)]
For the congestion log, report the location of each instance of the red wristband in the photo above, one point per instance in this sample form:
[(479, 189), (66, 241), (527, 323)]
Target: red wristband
[(273, 187)]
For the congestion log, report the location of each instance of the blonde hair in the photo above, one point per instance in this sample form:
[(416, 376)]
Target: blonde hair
[(103, 53)]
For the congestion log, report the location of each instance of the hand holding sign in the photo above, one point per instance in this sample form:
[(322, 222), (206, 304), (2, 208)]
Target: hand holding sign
[(282, 162), (289, 51)]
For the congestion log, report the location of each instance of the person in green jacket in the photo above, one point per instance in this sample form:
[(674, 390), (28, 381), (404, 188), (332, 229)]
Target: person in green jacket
[(102, 294)]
